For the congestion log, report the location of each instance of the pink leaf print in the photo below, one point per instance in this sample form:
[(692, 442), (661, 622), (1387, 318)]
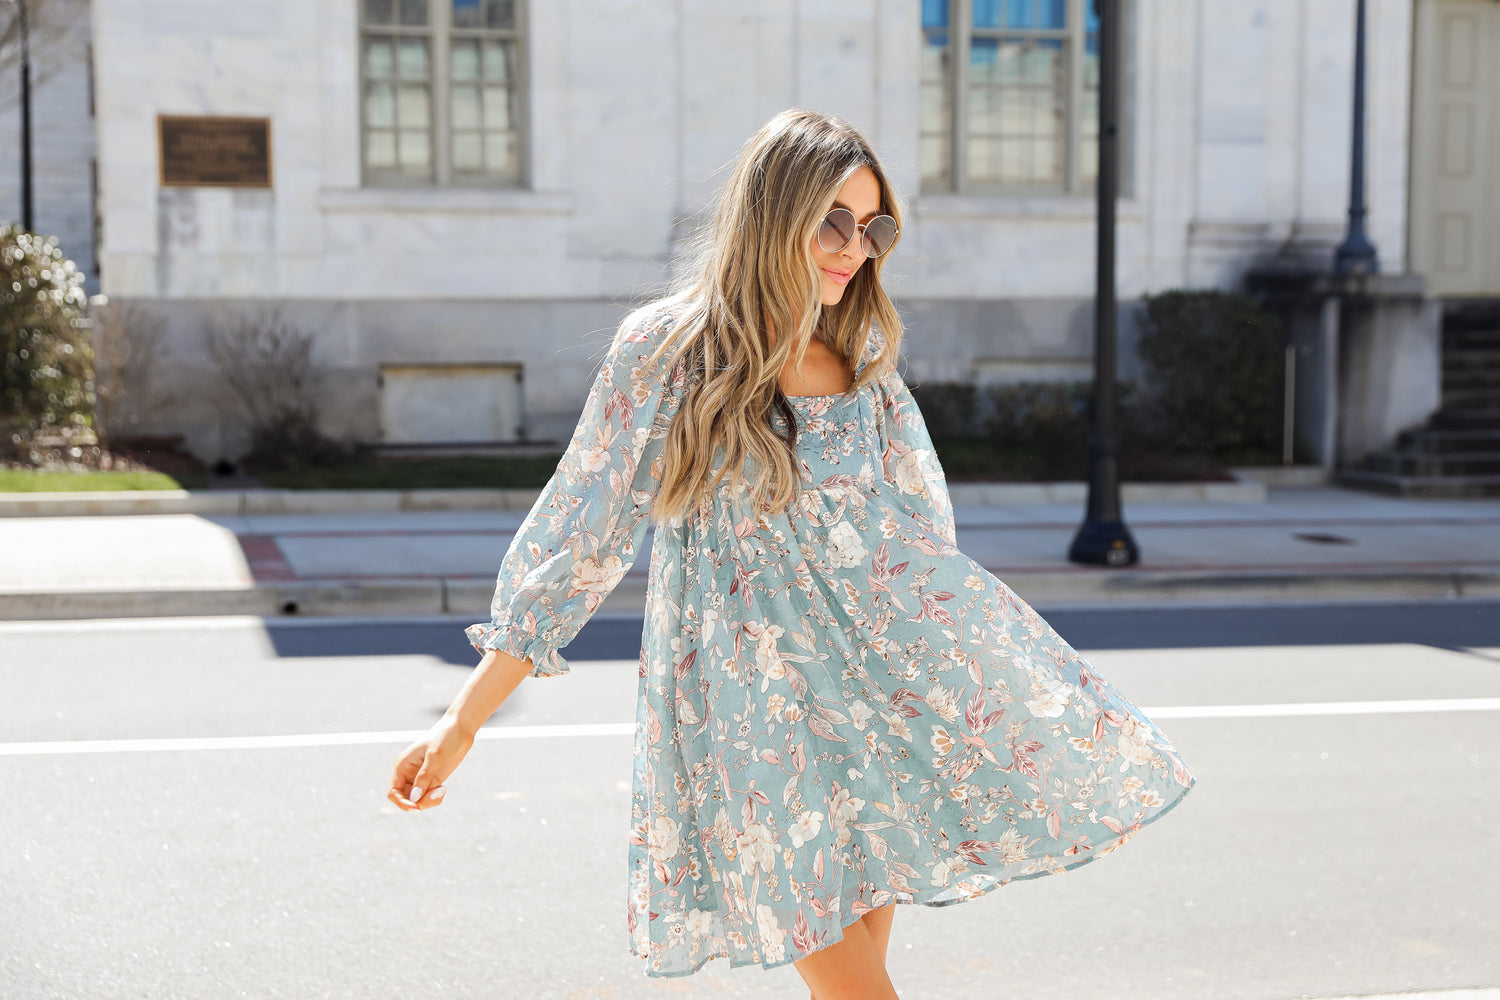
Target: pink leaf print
[(969, 850), (1115, 825), (801, 939), (818, 865), (878, 846), (799, 757), (685, 665), (1021, 754), (974, 713), (770, 756), (820, 726), (653, 726), (619, 403), (901, 703), (932, 609), (1054, 824)]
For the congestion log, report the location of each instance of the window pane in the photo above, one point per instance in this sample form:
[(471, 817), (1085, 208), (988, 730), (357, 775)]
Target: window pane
[(500, 14), (411, 106), (500, 154), (466, 13), (497, 107), (465, 107), (414, 13), (1022, 13), (465, 59), (379, 62), (468, 152), (380, 150), (934, 13), (380, 106), (415, 154), (497, 61), (937, 111), (1017, 111), (413, 58), (378, 11)]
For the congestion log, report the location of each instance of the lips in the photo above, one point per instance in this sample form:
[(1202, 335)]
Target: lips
[(842, 277)]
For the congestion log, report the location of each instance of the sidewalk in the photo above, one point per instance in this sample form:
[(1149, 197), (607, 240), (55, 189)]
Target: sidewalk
[(1298, 544)]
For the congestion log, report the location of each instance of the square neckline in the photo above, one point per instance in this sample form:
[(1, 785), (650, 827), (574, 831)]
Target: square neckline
[(849, 392)]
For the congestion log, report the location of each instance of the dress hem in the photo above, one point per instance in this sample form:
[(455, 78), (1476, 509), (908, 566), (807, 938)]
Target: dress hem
[(1055, 870)]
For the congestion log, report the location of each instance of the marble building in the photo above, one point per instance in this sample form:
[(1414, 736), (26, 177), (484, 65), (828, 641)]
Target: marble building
[(466, 195)]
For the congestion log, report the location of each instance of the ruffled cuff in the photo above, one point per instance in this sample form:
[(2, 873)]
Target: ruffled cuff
[(510, 639)]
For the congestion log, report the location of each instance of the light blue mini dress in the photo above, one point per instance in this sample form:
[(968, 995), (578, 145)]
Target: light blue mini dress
[(838, 709)]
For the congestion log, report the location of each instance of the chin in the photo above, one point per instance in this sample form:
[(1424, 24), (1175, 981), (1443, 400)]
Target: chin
[(833, 296)]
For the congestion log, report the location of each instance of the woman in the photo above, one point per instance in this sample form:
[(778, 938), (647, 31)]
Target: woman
[(839, 711)]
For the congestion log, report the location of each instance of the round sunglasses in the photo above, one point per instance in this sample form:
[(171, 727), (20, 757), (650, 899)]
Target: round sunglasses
[(839, 227)]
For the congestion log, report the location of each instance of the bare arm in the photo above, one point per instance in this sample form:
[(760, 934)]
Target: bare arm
[(497, 675), (417, 779)]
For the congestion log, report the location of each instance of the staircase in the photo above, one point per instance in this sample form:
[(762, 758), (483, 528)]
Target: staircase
[(1457, 453)]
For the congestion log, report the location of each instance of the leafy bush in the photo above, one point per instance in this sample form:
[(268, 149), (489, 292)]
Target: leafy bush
[(46, 370), (1214, 373)]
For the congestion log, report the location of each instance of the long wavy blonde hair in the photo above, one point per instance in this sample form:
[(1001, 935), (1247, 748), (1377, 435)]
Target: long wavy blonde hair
[(752, 269)]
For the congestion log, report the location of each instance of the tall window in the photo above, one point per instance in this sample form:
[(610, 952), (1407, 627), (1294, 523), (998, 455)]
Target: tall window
[(1010, 96), (442, 92)]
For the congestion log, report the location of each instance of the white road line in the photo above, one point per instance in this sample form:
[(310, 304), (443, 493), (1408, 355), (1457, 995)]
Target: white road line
[(1479, 994), (301, 739), (1294, 709), (1323, 708)]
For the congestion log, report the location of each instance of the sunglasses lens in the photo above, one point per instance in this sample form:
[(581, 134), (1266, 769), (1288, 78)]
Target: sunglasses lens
[(880, 233), (836, 230)]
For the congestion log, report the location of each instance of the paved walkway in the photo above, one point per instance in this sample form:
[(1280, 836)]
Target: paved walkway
[(1314, 543)]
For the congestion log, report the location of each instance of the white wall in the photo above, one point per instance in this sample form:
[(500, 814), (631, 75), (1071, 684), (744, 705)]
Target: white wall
[(1241, 156)]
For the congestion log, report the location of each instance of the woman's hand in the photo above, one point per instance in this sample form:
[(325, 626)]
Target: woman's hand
[(421, 769)]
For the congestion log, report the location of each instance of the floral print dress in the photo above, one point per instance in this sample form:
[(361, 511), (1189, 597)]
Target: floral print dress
[(838, 709)]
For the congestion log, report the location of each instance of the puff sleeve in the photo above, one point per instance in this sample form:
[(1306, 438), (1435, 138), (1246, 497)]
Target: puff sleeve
[(588, 524), (909, 460)]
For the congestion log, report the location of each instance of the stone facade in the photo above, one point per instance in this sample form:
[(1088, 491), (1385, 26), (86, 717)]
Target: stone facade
[(1239, 138)]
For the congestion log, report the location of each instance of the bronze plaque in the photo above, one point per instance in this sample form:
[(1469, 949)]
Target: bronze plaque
[(214, 152)]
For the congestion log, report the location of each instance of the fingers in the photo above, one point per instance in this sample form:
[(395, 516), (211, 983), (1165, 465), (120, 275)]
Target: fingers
[(415, 782), (427, 801)]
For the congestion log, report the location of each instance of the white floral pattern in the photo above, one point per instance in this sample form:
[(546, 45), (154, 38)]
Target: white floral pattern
[(838, 709)]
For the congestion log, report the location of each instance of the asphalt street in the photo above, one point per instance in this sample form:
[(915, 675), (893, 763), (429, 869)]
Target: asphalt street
[(196, 809)]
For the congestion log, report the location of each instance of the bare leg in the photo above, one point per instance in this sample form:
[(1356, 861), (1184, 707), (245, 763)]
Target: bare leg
[(854, 968)]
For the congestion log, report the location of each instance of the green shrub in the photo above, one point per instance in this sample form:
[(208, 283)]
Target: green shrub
[(46, 369), (1214, 374), (948, 408)]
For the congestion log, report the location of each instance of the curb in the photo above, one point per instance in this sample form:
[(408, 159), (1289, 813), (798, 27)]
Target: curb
[(243, 502), (469, 596), (246, 502)]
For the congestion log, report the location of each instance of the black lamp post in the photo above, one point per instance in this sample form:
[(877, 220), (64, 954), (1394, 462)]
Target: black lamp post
[(26, 214), (1103, 539), (1356, 255)]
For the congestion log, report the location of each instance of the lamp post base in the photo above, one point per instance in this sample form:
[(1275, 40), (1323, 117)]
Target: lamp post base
[(1104, 543)]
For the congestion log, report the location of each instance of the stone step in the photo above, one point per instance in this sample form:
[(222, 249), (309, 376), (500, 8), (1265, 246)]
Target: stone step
[(1430, 441), (1421, 486), (1472, 379), (1420, 463), (1471, 340), (1471, 360), (1482, 398), (1465, 419)]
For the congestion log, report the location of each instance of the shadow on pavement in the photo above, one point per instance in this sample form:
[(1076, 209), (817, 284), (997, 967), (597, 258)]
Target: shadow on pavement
[(1446, 625)]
